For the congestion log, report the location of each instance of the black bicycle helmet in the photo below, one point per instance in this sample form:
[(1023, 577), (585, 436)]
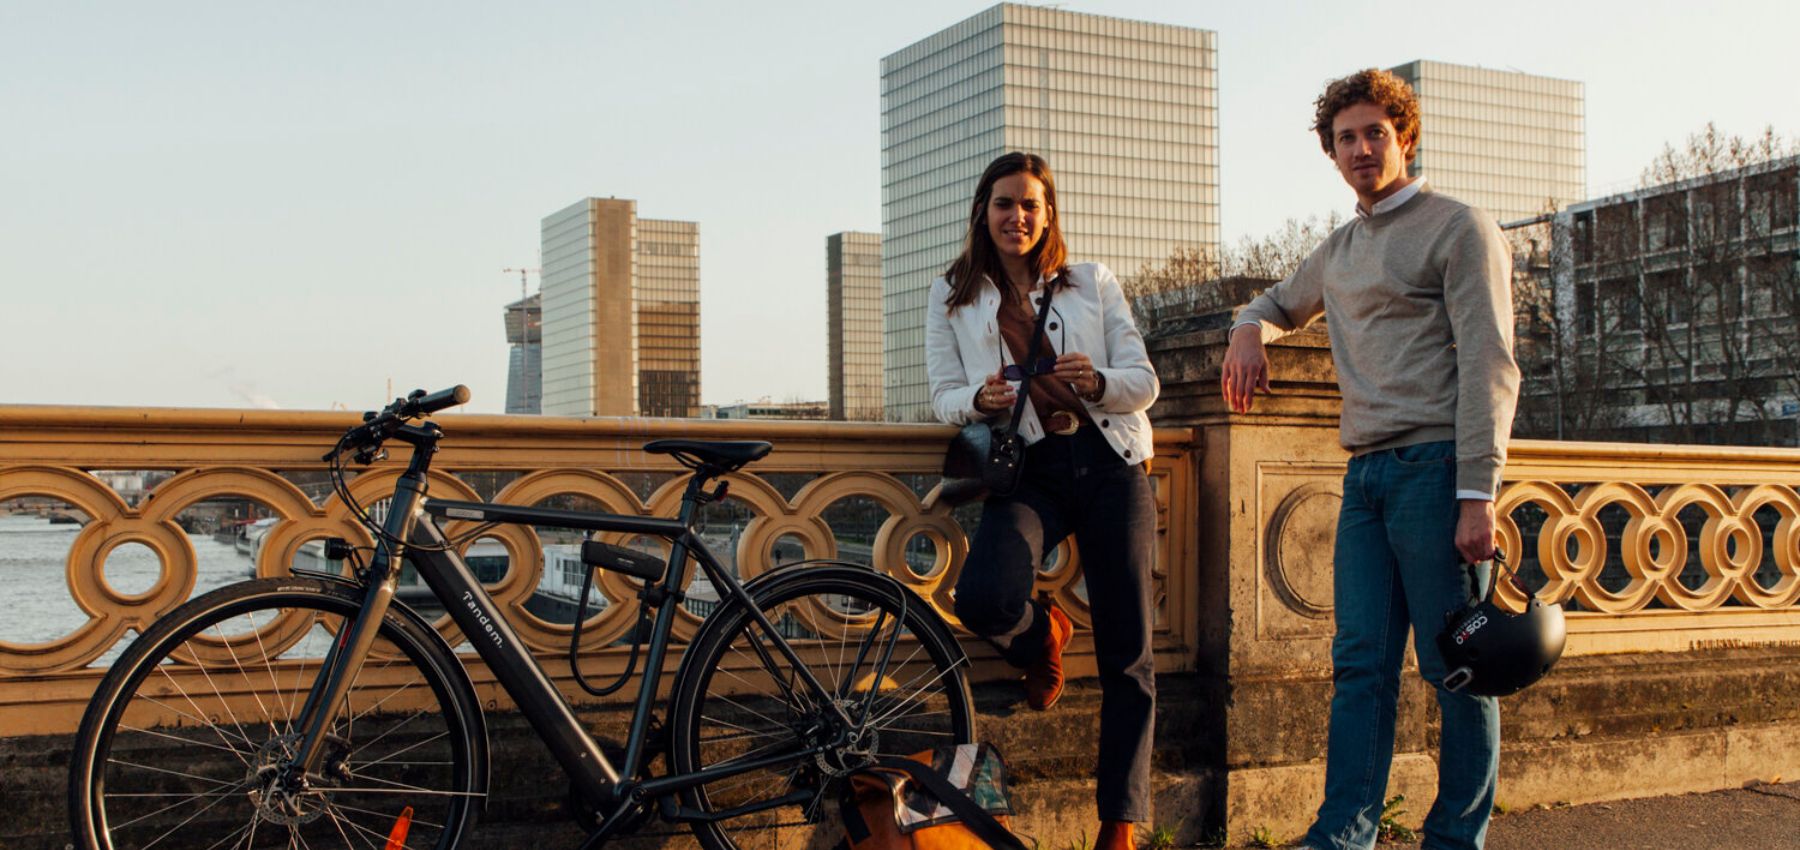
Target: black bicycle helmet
[(1492, 652)]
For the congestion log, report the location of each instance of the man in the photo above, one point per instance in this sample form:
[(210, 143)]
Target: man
[(1417, 298)]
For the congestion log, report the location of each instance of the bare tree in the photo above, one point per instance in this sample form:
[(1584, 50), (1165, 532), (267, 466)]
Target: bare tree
[(1203, 280), (1565, 376)]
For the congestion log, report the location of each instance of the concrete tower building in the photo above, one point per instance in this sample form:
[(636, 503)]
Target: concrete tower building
[(621, 312), (1126, 113), (853, 299), (1507, 142), (525, 367)]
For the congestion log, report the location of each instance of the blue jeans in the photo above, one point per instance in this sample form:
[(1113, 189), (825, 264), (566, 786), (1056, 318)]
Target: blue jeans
[(1396, 566)]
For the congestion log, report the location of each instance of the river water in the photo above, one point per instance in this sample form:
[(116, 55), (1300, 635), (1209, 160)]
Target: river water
[(34, 557)]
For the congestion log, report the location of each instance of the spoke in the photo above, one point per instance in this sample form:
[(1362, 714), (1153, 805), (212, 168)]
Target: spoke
[(339, 824), (836, 675), (898, 707), (748, 710), (362, 830), (230, 792), (898, 696), (753, 754), (862, 652), (769, 663), (392, 783), (189, 819), (384, 733), (417, 821), (219, 782), (223, 703), (199, 722), (383, 701), (748, 734), (189, 741), (112, 796), (233, 834), (794, 698), (217, 730), (219, 628), (723, 722), (754, 779), (399, 789), (295, 703), (287, 709), (881, 721)]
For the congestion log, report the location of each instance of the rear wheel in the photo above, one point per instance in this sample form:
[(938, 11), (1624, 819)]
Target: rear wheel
[(184, 742), (886, 659)]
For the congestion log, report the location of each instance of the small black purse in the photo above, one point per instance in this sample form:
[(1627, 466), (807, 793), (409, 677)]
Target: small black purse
[(985, 459)]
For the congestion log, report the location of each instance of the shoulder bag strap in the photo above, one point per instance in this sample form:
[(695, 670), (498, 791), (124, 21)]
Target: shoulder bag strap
[(1037, 336), (972, 816)]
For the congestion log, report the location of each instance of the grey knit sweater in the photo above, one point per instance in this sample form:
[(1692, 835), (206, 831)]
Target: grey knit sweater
[(1418, 300)]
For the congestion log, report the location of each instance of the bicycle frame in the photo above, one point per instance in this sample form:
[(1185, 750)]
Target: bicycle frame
[(595, 778)]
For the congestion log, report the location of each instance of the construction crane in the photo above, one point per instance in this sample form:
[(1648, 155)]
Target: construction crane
[(525, 325)]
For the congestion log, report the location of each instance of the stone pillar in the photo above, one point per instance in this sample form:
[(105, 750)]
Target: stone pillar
[(1270, 487)]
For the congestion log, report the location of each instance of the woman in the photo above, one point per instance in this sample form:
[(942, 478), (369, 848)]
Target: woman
[(1087, 439)]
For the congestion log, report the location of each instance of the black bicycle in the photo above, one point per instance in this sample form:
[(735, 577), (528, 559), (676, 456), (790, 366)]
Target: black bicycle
[(320, 711)]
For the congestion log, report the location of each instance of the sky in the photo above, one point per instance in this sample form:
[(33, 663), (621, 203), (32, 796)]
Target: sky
[(291, 205)]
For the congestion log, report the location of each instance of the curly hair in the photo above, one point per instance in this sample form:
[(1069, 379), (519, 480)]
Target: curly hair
[(1372, 85)]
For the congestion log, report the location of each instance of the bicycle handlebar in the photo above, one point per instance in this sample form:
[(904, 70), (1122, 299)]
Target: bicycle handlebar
[(429, 404), (377, 427)]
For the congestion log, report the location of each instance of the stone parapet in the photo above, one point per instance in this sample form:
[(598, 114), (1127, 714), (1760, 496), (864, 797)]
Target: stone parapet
[(1692, 663), (1679, 565)]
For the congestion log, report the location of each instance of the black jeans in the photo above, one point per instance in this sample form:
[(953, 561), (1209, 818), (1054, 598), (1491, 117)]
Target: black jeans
[(1078, 485)]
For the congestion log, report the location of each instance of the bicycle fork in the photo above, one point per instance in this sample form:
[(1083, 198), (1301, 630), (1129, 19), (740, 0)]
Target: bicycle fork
[(344, 661)]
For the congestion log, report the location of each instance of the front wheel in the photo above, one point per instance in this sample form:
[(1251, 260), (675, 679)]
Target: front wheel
[(185, 740), (881, 655)]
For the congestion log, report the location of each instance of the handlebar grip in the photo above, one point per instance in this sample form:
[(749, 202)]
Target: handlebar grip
[(441, 399)]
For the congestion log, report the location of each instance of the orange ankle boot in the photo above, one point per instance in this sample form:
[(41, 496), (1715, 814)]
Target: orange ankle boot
[(1115, 835), (1044, 678)]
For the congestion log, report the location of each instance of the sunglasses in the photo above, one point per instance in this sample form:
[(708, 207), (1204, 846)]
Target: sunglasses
[(1043, 364), (1017, 372)]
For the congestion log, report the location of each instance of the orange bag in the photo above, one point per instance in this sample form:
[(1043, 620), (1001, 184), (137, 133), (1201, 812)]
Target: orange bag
[(949, 798)]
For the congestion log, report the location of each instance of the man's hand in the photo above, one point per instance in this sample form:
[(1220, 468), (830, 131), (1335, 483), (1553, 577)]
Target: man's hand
[(1475, 530), (1245, 370)]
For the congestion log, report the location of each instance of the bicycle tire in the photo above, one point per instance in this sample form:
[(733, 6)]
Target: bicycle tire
[(729, 703), (185, 716)]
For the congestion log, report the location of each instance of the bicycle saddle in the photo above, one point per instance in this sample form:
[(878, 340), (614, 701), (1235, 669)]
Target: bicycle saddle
[(724, 454)]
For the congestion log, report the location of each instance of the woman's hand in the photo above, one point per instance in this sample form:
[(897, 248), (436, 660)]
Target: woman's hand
[(1076, 370), (995, 395)]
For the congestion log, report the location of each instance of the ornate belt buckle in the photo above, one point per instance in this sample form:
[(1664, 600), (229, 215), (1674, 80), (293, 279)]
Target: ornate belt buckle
[(1073, 426)]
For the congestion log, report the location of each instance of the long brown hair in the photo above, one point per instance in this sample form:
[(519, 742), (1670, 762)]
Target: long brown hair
[(979, 259)]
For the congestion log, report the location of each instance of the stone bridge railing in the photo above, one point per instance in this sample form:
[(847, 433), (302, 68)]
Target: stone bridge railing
[(1679, 567), (1684, 560), (862, 492)]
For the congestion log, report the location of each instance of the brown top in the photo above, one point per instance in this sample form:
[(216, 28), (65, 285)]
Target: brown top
[(1060, 411)]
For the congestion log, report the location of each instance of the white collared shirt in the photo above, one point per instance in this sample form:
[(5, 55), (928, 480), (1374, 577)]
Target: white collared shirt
[(1393, 202)]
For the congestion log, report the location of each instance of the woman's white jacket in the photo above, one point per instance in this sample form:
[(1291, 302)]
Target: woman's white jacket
[(963, 347)]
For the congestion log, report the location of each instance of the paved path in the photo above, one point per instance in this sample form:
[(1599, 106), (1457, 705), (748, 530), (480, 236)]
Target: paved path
[(1765, 817)]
